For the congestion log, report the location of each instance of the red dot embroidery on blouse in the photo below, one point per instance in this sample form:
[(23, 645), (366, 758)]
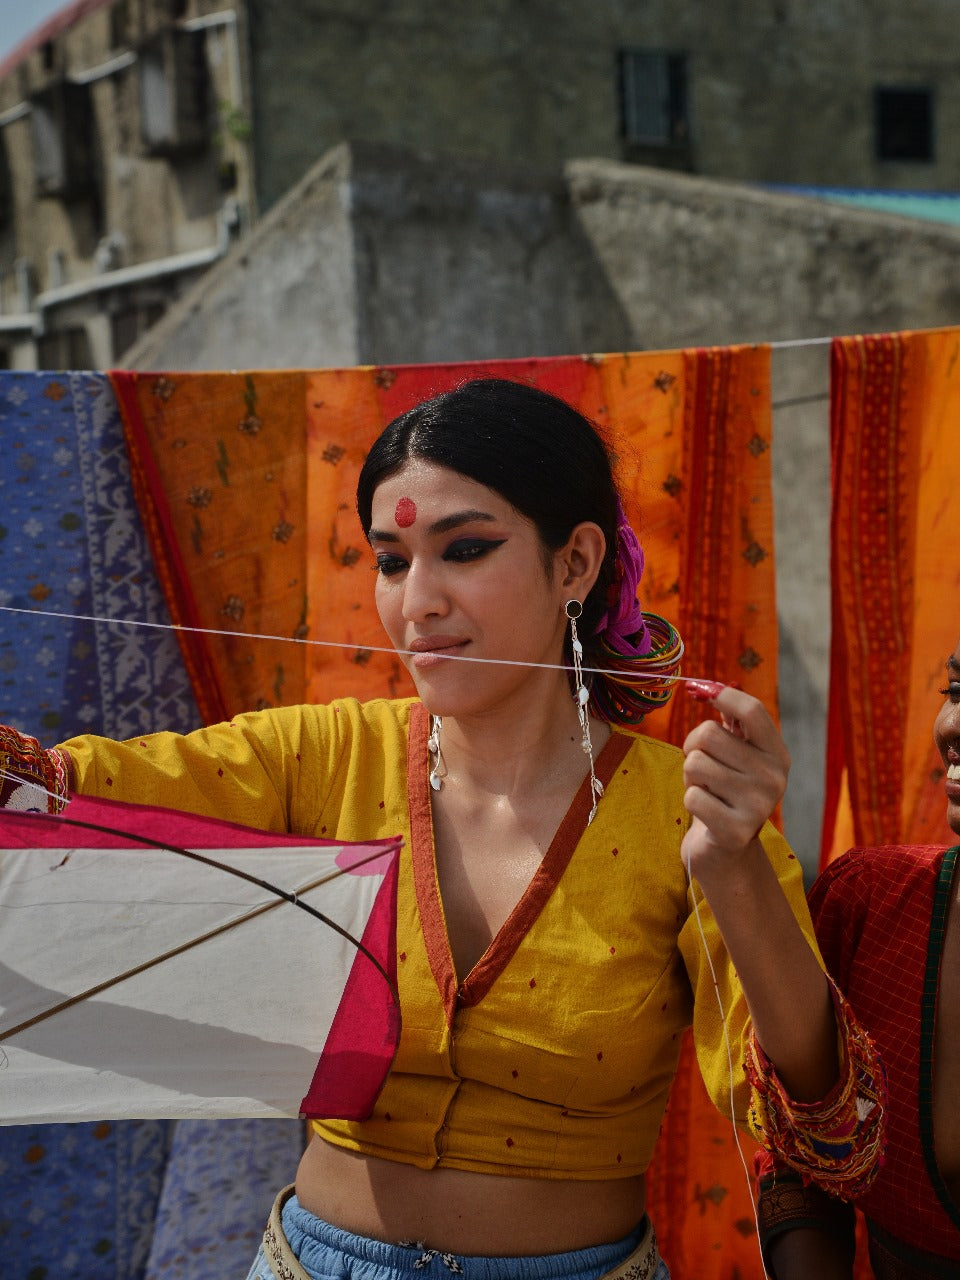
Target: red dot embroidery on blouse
[(403, 956), (219, 773), (509, 1142), (382, 804), (615, 852), (533, 983), (600, 1056), (613, 951), (109, 782), (515, 1073)]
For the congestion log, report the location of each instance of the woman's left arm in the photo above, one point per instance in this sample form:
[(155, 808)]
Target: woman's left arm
[(735, 776)]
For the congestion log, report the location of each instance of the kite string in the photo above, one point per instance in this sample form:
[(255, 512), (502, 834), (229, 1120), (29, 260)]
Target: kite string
[(660, 678)]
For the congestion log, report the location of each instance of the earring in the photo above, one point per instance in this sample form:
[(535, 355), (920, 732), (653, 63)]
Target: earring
[(581, 695), (438, 769)]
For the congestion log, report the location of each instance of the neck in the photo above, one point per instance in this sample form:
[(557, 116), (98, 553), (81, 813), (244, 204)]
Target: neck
[(519, 749)]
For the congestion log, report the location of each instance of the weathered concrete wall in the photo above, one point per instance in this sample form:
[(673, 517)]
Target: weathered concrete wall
[(382, 255), (385, 256), (285, 298), (777, 90), (696, 260)]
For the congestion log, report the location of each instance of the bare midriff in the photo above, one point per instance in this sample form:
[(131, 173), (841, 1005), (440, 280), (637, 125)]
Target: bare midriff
[(461, 1212)]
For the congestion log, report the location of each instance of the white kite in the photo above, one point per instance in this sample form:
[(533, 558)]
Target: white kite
[(136, 981)]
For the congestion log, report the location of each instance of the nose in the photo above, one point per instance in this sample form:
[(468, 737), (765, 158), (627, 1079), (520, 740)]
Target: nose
[(423, 592), (946, 729)]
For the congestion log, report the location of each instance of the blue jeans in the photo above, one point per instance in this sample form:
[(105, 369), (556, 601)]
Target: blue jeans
[(327, 1253)]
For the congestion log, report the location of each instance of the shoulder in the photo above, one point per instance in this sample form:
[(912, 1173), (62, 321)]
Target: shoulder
[(643, 793), (880, 865), (651, 753), (877, 879)]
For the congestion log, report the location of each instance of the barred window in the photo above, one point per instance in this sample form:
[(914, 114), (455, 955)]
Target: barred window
[(653, 97)]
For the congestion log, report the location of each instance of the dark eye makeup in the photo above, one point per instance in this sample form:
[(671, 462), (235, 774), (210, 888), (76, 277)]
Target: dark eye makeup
[(465, 549)]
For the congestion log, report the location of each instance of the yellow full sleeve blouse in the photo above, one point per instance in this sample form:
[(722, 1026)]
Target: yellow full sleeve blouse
[(553, 1057)]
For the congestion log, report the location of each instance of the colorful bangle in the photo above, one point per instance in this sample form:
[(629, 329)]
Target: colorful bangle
[(838, 1142)]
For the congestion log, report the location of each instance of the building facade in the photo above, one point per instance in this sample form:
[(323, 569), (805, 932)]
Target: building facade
[(124, 172), (139, 137)]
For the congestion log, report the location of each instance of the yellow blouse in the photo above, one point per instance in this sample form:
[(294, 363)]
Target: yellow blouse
[(554, 1056)]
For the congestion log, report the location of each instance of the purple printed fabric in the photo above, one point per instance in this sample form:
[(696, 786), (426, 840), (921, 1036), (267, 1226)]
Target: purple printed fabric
[(134, 1200)]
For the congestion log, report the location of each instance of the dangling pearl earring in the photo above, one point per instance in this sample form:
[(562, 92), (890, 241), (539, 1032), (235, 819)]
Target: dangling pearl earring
[(439, 769), (573, 610)]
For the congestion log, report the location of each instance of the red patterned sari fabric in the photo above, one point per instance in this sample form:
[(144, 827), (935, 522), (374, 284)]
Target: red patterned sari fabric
[(228, 461), (894, 405)]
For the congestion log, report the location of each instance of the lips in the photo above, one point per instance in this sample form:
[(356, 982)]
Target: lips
[(430, 651), (952, 784)]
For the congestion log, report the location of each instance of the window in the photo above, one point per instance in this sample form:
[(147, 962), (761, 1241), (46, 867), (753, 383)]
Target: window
[(174, 93), (64, 349), (903, 120), (120, 24), (61, 122), (128, 326), (653, 97), (6, 188), (653, 107)]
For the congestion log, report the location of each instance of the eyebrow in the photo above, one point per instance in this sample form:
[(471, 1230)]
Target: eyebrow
[(443, 525)]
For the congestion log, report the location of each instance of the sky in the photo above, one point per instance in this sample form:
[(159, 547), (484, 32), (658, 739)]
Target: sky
[(19, 17)]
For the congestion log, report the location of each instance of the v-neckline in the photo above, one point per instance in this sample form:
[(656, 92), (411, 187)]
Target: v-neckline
[(928, 1028), (535, 896)]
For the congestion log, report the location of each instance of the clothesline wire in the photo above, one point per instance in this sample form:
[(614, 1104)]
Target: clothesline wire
[(820, 397), (784, 344)]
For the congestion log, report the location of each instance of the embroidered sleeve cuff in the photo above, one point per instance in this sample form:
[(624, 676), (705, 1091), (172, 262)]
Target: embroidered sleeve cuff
[(837, 1142), (30, 776)]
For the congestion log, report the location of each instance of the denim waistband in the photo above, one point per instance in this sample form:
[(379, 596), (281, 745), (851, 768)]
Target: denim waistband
[(327, 1251)]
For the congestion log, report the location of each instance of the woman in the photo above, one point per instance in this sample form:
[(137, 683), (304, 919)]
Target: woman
[(549, 953), (888, 923)]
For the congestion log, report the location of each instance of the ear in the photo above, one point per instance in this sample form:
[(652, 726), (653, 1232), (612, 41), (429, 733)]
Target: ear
[(578, 562)]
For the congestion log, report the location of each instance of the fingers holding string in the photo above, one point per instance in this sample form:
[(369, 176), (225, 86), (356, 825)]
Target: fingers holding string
[(735, 771)]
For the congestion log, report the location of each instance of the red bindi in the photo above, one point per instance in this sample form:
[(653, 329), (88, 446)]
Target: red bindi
[(405, 513)]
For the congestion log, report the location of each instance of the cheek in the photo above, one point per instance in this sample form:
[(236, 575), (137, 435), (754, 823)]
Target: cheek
[(386, 602)]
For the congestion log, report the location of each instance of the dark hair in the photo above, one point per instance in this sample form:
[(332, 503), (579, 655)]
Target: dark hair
[(535, 450)]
